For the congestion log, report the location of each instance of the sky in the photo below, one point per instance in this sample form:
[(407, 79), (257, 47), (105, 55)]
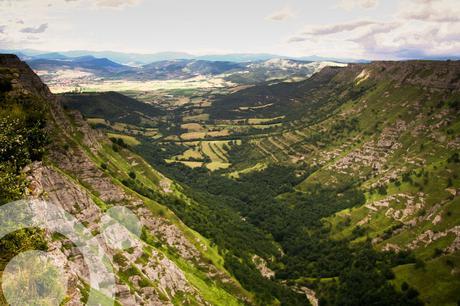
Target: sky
[(359, 29)]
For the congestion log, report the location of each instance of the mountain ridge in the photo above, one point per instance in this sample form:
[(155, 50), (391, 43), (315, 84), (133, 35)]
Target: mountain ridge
[(88, 70), (344, 183), (351, 168), (85, 173), (139, 58)]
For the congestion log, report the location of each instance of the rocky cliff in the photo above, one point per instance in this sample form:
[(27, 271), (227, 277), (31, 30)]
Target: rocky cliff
[(82, 172)]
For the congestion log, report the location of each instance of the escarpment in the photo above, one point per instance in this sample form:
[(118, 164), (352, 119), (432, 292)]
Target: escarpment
[(83, 172)]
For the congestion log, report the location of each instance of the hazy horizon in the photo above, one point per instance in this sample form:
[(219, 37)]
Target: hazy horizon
[(355, 29)]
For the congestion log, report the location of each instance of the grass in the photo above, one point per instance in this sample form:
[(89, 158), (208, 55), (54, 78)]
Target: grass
[(96, 121), (193, 135), (192, 153), (220, 147), (209, 149), (217, 165), (191, 164), (99, 297), (255, 107), (256, 167), (379, 223), (200, 135), (129, 140), (211, 291), (194, 118), (220, 133), (438, 282), (201, 151), (264, 120), (193, 127), (126, 163), (154, 133)]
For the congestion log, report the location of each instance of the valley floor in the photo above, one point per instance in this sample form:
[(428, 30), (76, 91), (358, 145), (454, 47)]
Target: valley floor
[(341, 189)]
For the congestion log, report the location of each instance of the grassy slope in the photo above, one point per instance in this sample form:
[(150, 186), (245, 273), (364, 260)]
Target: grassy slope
[(117, 164), (121, 163), (435, 282), (426, 152), (429, 113), (348, 113)]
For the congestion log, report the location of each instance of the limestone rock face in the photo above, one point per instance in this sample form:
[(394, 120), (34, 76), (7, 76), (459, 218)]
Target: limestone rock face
[(443, 75), (167, 279), (261, 265), (70, 177)]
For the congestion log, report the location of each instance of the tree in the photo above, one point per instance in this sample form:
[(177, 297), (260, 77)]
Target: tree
[(132, 175)]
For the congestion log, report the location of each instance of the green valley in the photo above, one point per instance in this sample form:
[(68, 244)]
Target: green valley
[(352, 174), (230, 153)]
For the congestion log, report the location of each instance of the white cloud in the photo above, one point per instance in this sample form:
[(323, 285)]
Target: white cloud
[(104, 3), (321, 31), (35, 30), (337, 28), (116, 3), (295, 39), (419, 28), (398, 29), (431, 10), (280, 15), (45, 24), (351, 4)]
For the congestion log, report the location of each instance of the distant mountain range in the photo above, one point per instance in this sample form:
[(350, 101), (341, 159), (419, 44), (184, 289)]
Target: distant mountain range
[(342, 189), (135, 59), (51, 65)]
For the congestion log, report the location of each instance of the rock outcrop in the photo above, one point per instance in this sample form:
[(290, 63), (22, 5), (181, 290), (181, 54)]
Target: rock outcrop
[(71, 177)]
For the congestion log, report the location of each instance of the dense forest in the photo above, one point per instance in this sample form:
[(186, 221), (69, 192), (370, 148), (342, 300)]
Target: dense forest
[(342, 274), (288, 201)]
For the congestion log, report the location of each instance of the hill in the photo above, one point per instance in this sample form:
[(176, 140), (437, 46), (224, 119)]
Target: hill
[(50, 153), (353, 172), (114, 107), (183, 69), (276, 100), (342, 187), (388, 130), (99, 66)]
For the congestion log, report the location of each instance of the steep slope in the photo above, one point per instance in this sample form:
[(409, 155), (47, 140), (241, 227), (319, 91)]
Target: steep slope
[(353, 173), (361, 163), (387, 129), (86, 174), (286, 100), (113, 107)]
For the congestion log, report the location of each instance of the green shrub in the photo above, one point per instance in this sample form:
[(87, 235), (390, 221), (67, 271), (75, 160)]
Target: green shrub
[(132, 175)]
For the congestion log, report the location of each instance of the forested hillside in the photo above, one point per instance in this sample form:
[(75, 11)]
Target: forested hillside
[(353, 173), (378, 145), (230, 153), (339, 190), (48, 153)]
